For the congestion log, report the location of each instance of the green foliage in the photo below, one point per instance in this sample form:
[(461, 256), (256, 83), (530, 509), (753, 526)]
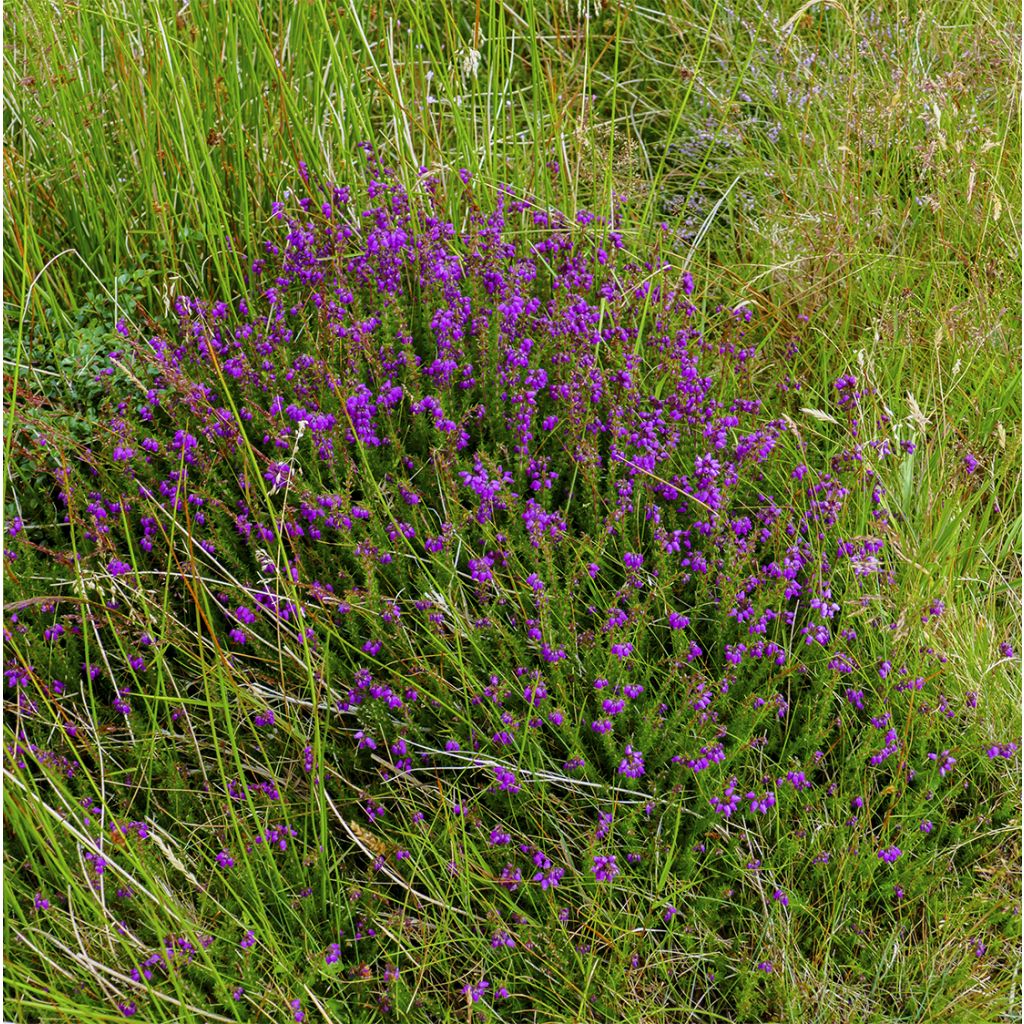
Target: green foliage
[(861, 166)]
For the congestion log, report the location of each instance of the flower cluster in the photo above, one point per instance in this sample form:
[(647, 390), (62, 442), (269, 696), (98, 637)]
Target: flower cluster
[(490, 500)]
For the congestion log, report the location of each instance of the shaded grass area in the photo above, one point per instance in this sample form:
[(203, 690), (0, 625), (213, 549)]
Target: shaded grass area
[(858, 168)]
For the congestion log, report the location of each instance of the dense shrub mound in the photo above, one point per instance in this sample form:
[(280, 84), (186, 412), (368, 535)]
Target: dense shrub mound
[(469, 617)]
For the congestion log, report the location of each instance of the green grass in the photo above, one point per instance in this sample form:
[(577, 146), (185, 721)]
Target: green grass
[(857, 165)]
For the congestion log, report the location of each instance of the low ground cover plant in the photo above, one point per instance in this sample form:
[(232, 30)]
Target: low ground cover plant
[(475, 618)]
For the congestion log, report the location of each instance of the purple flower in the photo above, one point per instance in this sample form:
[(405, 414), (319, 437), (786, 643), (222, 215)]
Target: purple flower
[(364, 742), (551, 879), (760, 805), (1006, 750), (476, 992), (728, 802), (970, 463), (605, 868), (506, 779), (632, 765), (947, 762), (890, 854)]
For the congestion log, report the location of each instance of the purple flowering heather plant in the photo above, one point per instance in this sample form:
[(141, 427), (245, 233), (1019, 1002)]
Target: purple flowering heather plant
[(440, 540)]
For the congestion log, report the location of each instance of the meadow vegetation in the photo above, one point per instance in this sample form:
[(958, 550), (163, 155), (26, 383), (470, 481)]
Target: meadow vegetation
[(512, 511)]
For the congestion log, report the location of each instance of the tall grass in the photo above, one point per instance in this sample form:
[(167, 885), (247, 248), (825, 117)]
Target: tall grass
[(852, 174)]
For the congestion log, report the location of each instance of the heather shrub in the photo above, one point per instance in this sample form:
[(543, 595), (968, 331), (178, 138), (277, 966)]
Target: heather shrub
[(474, 618)]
